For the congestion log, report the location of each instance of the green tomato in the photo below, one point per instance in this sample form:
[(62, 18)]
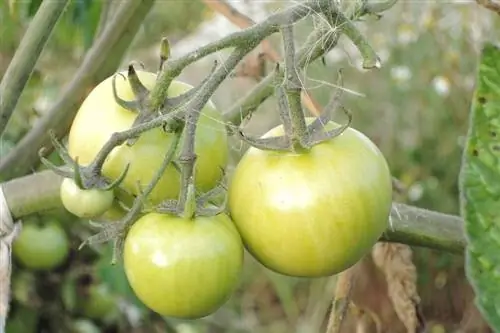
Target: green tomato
[(100, 116), (183, 268), (85, 203), (41, 246), (84, 326), (315, 213), (99, 303)]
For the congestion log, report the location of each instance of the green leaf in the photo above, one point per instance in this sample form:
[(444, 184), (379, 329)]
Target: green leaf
[(33, 7), (480, 188), (22, 320)]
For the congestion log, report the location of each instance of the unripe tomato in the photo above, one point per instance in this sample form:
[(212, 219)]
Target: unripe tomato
[(84, 326), (100, 116), (316, 213), (99, 303), (183, 268), (85, 203), (41, 246)]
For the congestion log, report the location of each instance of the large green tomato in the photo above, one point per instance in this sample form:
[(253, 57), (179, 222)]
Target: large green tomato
[(183, 268), (41, 246), (85, 203), (100, 116), (316, 213)]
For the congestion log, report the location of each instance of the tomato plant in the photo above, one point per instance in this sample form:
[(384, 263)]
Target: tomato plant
[(184, 268), (100, 116), (315, 213), (41, 246), (85, 203)]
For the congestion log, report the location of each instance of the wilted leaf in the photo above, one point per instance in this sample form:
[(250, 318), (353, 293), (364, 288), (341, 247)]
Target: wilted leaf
[(395, 261), (480, 188)]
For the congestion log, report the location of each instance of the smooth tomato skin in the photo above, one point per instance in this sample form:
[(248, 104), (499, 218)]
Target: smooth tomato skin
[(100, 116), (41, 247), (99, 303), (312, 214), (85, 203), (183, 268)]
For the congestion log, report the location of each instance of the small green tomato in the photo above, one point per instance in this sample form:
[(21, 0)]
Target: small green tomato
[(41, 246), (85, 203)]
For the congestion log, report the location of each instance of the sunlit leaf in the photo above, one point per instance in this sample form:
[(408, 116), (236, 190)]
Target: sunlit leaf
[(480, 188)]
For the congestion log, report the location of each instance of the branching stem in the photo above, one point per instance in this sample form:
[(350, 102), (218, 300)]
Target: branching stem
[(117, 229), (293, 91), (188, 157)]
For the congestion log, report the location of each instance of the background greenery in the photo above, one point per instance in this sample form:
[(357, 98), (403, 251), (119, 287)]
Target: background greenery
[(415, 108)]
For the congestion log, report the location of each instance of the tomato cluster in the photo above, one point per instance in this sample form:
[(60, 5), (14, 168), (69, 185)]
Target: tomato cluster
[(308, 214)]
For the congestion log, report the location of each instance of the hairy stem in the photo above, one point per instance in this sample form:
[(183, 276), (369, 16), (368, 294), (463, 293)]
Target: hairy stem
[(293, 91), (43, 193), (252, 35), (187, 160), (311, 51), (116, 230), (370, 58), (138, 203), (422, 227), (26, 57), (188, 156), (100, 62)]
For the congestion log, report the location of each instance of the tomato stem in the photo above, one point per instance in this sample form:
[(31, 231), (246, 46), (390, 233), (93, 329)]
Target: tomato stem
[(189, 209), (187, 157), (114, 230), (298, 133)]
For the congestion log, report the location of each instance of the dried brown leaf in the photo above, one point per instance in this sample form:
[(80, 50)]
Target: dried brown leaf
[(395, 261), (341, 300), (252, 66)]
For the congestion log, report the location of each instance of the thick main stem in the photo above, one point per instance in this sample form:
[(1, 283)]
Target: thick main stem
[(26, 57), (408, 224), (426, 228)]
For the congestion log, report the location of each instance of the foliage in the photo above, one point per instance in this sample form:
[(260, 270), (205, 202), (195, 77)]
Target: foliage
[(480, 187)]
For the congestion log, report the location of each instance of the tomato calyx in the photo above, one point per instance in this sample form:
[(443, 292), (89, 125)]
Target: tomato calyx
[(85, 177), (194, 205), (116, 230), (299, 137)]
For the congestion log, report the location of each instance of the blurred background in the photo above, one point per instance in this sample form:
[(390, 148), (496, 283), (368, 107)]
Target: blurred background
[(415, 108)]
